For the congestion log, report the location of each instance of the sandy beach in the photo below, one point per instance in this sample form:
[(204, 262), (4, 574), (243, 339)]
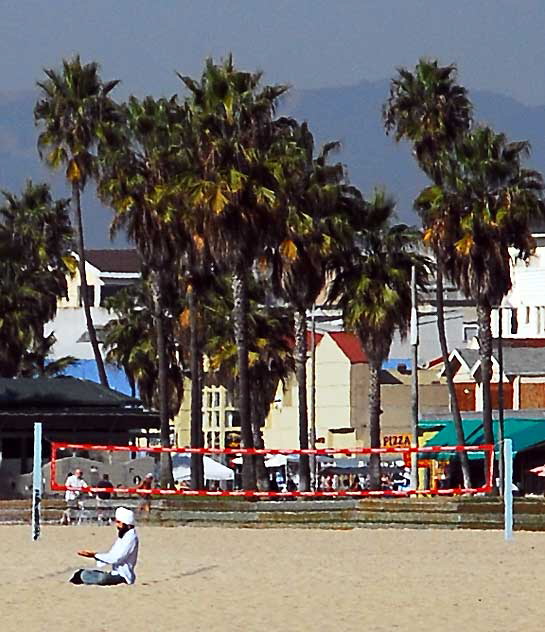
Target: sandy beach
[(278, 579)]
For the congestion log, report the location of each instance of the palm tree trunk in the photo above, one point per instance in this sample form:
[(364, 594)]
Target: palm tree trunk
[(84, 291), (485, 343), (374, 422), (132, 383), (197, 468), (301, 374), (456, 416), (485, 350), (257, 406), (240, 324), (167, 480)]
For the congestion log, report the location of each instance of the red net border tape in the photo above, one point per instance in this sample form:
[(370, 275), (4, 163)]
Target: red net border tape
[(487, 487)]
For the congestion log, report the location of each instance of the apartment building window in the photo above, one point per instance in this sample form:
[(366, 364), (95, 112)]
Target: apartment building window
[(107, 291), (232, 419), (213, 440), (514, 321), (527, 319), (90, 295)]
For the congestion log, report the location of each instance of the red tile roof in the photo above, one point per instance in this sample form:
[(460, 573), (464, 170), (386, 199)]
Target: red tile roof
[(114, 260), (534, 343), (350, 345), (317, 339)]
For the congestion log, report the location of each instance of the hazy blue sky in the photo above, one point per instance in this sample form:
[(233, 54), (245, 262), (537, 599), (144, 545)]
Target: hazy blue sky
[(499, 45)]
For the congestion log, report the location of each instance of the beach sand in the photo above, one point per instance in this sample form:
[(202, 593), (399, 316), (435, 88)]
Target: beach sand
[(192, 578)]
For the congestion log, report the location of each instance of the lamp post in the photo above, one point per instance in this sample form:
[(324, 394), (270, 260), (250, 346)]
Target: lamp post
[(313, 460), (414, 379), (505, 304)]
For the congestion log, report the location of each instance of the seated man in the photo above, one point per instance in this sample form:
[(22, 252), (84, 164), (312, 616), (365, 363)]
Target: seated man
[(122, 556)]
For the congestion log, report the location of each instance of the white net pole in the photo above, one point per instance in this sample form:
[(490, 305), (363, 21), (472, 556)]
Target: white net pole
[(37, 481), (508, 488)]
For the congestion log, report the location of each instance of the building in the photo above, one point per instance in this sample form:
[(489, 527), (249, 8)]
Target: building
[(341, 412), (70, 410), (108, 271), (523, 376)]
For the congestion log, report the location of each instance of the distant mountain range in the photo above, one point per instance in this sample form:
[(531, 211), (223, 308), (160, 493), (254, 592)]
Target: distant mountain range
[(351, 115)]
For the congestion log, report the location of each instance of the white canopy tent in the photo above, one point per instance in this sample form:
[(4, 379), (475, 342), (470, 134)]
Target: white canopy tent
[(213, 471), (274, 460)]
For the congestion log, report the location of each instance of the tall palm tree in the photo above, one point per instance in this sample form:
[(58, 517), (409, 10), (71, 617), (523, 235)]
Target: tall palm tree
[(316, 196), (139, 177), (235, 182), (373, 288), (428, 108), (73, 106), (491, 200)]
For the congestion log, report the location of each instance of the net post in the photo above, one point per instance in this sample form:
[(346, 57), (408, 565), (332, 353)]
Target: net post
[(36, 481), (507, 448)]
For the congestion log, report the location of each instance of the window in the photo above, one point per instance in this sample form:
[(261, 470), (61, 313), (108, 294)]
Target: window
[(470, 332), (232, 419), (514, 321), (107, 291), (216, 418), (90, 295), (230, 399), (527, 319)]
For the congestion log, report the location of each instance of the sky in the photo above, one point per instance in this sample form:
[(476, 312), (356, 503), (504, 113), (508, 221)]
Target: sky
[(498, 45)]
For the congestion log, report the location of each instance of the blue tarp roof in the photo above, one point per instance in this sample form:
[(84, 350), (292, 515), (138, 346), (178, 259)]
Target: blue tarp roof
[(87, 370)]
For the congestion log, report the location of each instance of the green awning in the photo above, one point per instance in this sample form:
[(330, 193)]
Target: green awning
[(447, 436), (524, 433)]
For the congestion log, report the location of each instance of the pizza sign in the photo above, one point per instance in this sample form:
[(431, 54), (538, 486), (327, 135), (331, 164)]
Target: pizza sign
[(396, 441)]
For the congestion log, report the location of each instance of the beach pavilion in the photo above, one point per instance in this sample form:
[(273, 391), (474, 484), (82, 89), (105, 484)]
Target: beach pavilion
[(71, 410)]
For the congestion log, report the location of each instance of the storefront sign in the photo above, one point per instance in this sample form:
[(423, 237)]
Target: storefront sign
[(396, 441)]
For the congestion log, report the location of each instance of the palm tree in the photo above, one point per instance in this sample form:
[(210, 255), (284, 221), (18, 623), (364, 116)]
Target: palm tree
[(235, 183), (140, 165), (271, 359), (130, 341), (316, 198), (373, 288), (428, 108), (74, 104), (491, 200), (36, 242)]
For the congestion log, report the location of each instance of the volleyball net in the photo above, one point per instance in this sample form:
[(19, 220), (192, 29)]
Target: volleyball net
[(335, 472)]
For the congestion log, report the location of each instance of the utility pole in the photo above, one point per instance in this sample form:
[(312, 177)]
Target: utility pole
[(501, 433), (414, 379), (313, 460)]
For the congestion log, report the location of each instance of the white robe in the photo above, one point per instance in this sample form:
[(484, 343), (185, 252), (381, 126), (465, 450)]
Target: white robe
[(122, 556)]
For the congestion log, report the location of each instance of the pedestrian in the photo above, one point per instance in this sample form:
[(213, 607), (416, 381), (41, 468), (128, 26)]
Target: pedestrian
[(104, 508), (122, 557), (75, 483), (106, 484), (145, 502)]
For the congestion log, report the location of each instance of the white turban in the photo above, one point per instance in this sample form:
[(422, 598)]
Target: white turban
[(126, 516)]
